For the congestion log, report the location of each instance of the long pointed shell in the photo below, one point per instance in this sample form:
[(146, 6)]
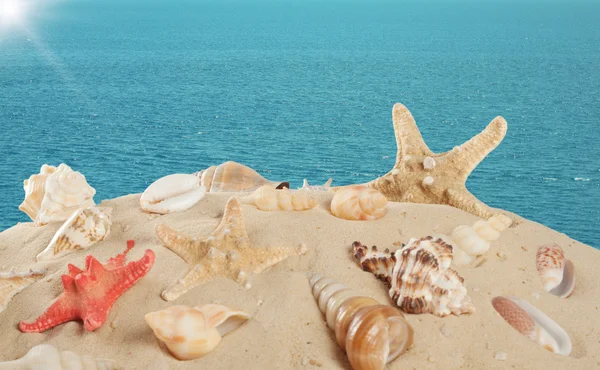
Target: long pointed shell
[(371, 334), (533, 323), (83, 229), (234, 177), (172, 193), (267, 198), (35, 188), (192, 332), (358, 202), (556, 272), (12, 283), (48, 357)]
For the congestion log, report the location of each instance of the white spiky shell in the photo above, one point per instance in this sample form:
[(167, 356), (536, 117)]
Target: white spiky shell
[(325, 187), (12, 283), (48, 357), (358, 202), (234, 177), (267, 198), (192, 332), (85, 227), (172, 193), (556, 272), (472, 241)]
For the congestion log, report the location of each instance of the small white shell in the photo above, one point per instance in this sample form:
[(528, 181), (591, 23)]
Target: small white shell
[(468, 242), (358, 202), (172, 193), (466, 238), (325, 187), (556, 272), (267, 198), (83, 229), (48, 357)]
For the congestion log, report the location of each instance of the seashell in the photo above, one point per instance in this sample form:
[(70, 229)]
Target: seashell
[(325, 187), (172, 193), (533, 323), (419, 276), (234, 177), (83, 229), (48, 357), (267, 198), (371, 334), (556, 272), (62, 193), (358, 202), (12, 283), (192, 332), (472, 241)]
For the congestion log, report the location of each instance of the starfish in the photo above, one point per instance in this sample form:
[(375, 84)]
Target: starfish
[(89, 294), (227, 252), (421, 176), (12, 283)]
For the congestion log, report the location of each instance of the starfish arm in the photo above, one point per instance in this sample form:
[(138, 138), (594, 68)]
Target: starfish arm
[(61, 311), (123, 278), (194, 278), (260, 259), (190, 250), (232, 220), (408, 136), (467, 156), (463, 199)]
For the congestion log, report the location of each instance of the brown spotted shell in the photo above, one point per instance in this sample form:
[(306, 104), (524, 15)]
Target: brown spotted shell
[(556, 272)]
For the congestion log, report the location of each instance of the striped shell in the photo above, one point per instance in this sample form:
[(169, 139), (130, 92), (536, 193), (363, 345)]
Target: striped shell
[(358, 202), (48, 357), (12, 283), (418, 276), (556, 272), (267, 198), (234, 177), (371, 334), (83, 229), (172, 193)]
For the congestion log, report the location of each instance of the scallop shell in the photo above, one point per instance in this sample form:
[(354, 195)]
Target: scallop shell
[(12, 283), (267, 198), (172, 193), (234, 177), (192, 332), (48, 357), (371, 334), (472, 241), (556, 272), (419, 276), (83, 229), (533, 323), (62, 192), (325, 187), (358, 202)]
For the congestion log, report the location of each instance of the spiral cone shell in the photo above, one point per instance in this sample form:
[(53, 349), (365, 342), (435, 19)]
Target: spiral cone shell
[(192, 332), (358, 202), (48, 357), (234, 177), (556, 272), (267, 198), (371, 334), (172, 193)]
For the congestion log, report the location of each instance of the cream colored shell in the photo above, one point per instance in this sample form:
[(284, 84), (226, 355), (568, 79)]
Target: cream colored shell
[(192, 332), (172, 193), (35, 188), (48, 357), (358, 202), (472, 241), (325, 187), (85, 227), (234, 177), (267, 198)]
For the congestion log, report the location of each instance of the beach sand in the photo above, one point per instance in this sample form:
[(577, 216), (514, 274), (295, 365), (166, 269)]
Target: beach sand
[(286, 329)]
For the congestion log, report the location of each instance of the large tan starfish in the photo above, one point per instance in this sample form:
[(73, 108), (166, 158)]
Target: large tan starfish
[(226, 252), (421, 176)]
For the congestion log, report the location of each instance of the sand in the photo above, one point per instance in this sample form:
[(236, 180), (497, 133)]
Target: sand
[(286, 329)]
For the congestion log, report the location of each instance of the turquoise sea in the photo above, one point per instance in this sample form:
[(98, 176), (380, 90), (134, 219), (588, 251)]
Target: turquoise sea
[(129, 91)]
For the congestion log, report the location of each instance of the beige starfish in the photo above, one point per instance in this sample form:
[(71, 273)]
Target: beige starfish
[(421, 176), (226, 252), (12, 283)]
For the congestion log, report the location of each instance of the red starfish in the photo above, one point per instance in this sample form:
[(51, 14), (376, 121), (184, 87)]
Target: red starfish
[(89, 294)]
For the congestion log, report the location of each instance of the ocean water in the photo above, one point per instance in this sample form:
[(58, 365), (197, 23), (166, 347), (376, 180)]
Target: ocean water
[(127, 92)]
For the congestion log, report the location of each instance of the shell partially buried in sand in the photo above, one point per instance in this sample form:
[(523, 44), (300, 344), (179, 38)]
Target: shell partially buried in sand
[(533, 323), (48, 357), (234, 177), (12, 283), (267, 198), (556, 272), (172, 193), (192, 332), (83, 229), (358, 202)]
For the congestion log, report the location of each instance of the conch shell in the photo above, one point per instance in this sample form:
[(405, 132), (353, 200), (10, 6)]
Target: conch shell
[(267, 198), (172, 193), (418, 276), (358, 202), (556, 272), (325, 187), (371, 334), (533, 323), (12, 283), (472, 241), (48, 357), (234, 177), (192, 332), (85, 227), (55, 193)]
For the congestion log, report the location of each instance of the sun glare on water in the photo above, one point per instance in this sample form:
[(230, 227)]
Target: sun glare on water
[(12, 12)]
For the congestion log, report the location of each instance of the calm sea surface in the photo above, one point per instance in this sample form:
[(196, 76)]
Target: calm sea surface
[(129, 92)]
